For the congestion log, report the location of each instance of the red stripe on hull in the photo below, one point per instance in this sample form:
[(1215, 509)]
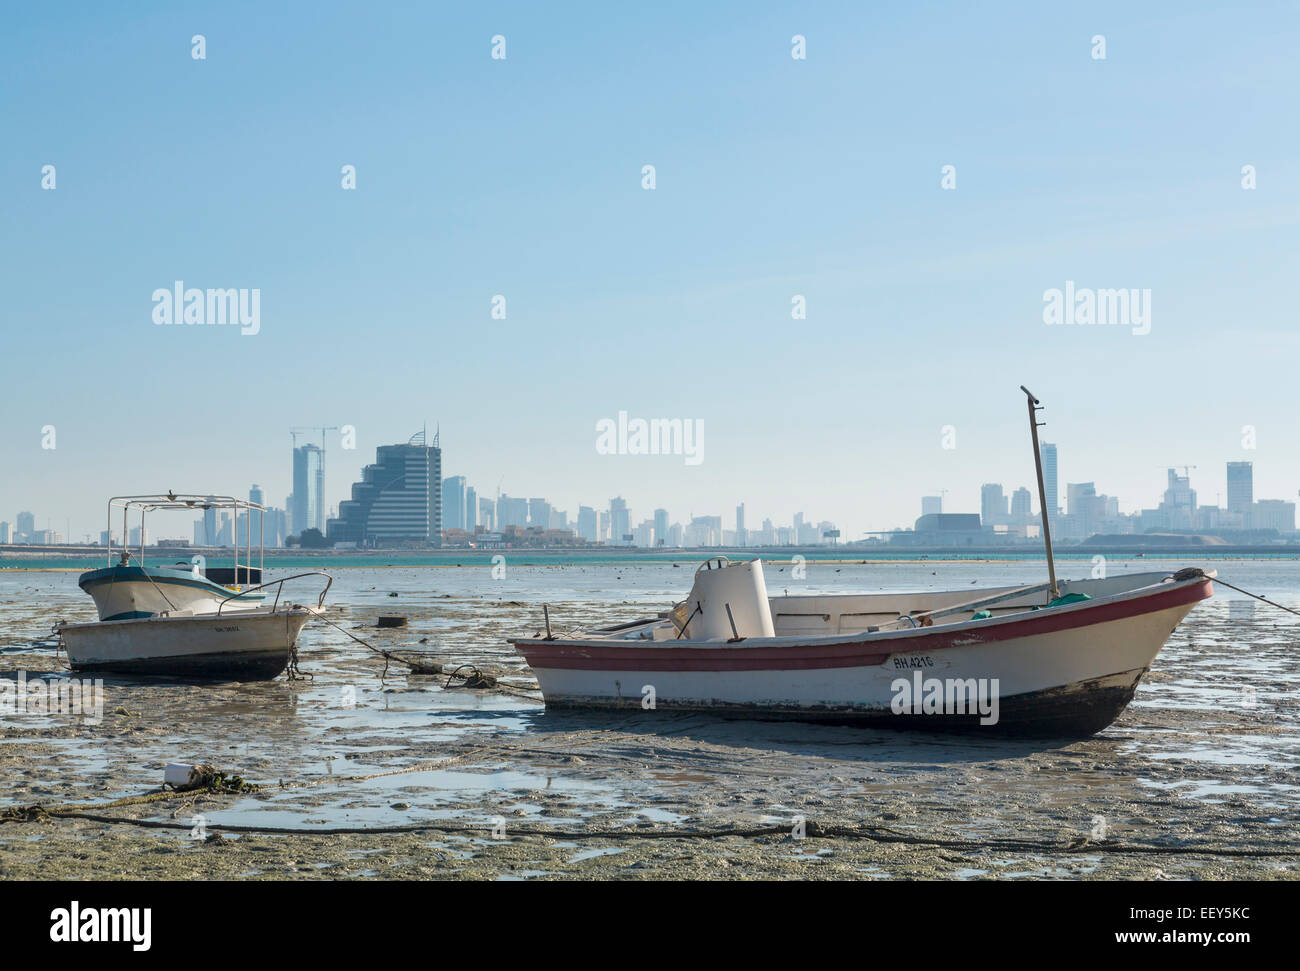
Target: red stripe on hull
[(857, 652)]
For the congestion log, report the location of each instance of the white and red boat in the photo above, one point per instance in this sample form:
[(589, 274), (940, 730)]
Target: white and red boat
[(1017, 660)]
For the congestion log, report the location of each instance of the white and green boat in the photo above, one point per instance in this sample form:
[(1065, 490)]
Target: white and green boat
[(187, 621)]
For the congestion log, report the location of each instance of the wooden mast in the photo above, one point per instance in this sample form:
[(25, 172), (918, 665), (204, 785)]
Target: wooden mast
[(1035, 407)]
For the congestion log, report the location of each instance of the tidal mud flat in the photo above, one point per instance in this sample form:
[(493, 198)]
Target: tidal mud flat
[(406, 776)]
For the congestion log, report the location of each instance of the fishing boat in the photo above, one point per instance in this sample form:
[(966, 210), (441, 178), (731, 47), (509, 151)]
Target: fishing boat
[(1053, 658), (1012, 660), (187, 620)]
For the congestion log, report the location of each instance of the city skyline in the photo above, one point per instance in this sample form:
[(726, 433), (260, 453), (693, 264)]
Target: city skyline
[(1083, 512)]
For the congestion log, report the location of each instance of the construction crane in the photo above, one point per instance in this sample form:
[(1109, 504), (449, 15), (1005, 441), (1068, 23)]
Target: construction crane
[(297, 430)]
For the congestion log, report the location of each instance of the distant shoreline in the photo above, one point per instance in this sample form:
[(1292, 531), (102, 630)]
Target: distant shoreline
[(19, 559)]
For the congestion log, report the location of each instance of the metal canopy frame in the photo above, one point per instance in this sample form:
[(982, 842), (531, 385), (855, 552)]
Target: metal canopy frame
[(173, 501)]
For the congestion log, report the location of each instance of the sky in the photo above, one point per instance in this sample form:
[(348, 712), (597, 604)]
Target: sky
[(775, 177)]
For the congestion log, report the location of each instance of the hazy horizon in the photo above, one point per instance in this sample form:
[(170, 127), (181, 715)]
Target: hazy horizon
[(776, 178)]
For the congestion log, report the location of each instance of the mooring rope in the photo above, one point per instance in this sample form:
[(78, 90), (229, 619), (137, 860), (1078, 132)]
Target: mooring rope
[(476, 679), (812, 830), (213, 782), (1192, 572), (387, 655), (1256, 596)]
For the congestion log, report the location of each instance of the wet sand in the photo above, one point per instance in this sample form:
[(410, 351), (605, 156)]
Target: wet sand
[(1195, 781)]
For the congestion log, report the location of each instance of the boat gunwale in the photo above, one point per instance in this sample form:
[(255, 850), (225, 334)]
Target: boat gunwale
[(926, 638), (253, 613)]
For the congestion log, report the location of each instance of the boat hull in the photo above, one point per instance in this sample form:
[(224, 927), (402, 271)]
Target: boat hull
[(250, 645), (1065, 671), (1074, 710)]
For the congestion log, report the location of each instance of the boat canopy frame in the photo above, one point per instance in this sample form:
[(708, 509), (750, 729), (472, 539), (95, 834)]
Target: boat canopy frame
[(173, 501)]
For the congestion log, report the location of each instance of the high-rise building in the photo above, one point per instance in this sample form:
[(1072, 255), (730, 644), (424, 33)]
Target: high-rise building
[(1076, 493), (1241, 487), (512, 512), (587, 524), (487, 514), (453, 502), (26, 525), (277, 526), (704, 531), (210, 526), (1085, 511), (1050, 483), (308, 488), (993, 504), (4, 533), (1274, 514), (740, 525), (225, 530), (661, 527), (257, 525), (471, 508), (1180, 493), (397, 501), (1021, 506), (619, 527), (1178, 507), (539, 513)]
